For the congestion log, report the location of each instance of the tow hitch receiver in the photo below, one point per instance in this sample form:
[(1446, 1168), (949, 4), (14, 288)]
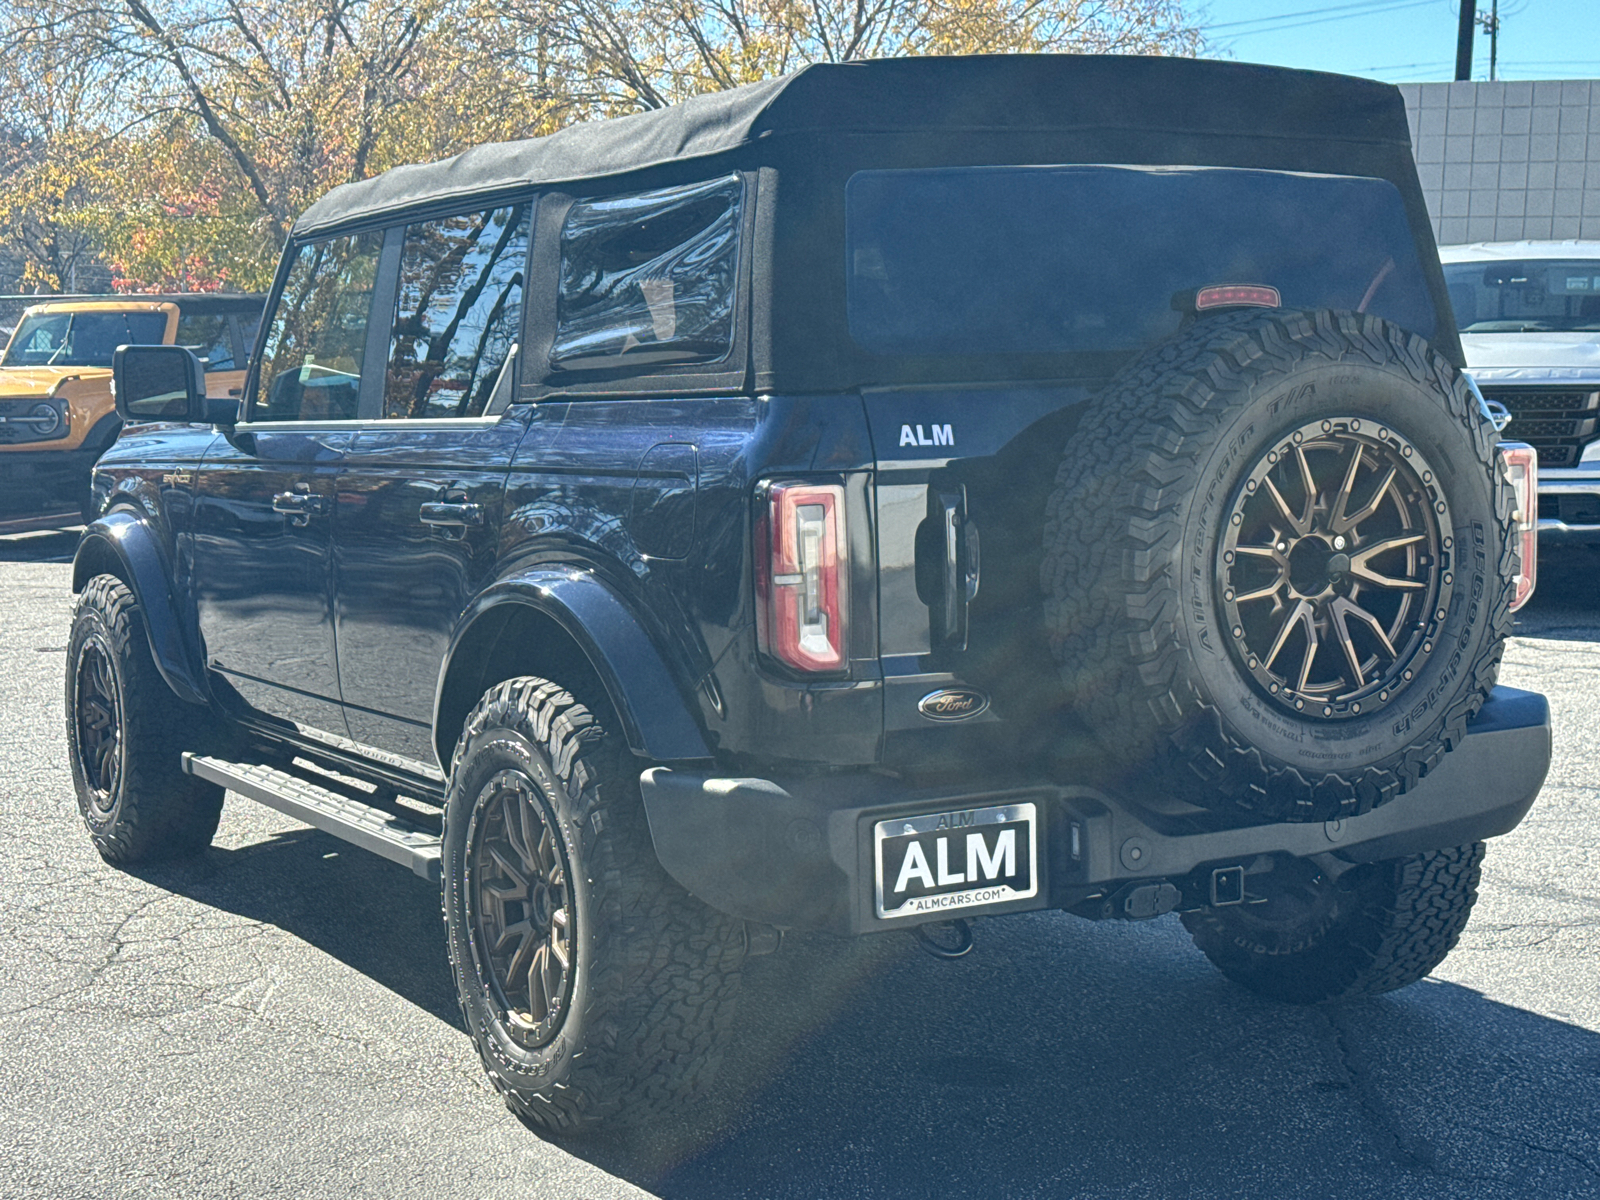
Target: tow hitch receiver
[(1227, 886)]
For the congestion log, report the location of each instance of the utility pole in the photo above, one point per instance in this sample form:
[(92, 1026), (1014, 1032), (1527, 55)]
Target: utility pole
[(1491, 30), (1464, 30)]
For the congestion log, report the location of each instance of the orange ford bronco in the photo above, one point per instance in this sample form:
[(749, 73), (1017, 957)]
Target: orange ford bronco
[(56, 414)]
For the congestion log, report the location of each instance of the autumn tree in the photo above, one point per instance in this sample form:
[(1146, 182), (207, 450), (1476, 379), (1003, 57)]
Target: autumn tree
[(55, 145), (239, 114), (620, 55), (179, 139)]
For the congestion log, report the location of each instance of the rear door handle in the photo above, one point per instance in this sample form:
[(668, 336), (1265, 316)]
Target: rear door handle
[(442, 513)]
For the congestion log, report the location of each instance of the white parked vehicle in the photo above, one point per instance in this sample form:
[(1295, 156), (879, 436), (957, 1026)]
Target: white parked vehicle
[(1529, 316)]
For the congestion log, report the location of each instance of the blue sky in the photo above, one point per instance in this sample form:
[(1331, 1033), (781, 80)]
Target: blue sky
[(1405, 41)]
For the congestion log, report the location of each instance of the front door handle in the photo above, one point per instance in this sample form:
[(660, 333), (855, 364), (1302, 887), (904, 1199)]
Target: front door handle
[(299, 507), (442, 513)]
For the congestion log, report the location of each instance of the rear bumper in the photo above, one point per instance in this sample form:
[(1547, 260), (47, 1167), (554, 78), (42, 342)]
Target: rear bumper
[(799, 853)]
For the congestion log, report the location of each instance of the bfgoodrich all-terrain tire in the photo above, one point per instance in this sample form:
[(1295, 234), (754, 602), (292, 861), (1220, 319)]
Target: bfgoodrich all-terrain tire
[(1371, 929), (594, 986), (126, 734), (1277, 563)]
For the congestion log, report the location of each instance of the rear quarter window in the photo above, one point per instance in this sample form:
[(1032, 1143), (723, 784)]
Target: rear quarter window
[(649, 278), (1060, 260)]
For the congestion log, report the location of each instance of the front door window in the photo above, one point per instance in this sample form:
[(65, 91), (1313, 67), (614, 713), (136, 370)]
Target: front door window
[(311, 363)]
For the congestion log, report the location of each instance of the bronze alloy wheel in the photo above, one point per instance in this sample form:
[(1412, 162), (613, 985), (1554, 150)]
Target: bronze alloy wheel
[(519, 907), (97, 711), (1335, 571)]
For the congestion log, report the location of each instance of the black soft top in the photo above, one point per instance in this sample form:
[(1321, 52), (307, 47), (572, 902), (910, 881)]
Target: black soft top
[(802, 137), (1047, 95)]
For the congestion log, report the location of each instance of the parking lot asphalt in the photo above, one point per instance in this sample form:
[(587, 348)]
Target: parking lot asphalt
[(276, 1018)]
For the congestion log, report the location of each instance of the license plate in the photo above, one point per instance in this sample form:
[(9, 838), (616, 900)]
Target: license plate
[(955, 860)]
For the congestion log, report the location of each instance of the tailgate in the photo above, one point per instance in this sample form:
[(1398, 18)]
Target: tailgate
[(962, 479)]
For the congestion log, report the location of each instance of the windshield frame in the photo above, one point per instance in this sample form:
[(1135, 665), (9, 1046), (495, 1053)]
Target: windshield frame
[(31, 320)]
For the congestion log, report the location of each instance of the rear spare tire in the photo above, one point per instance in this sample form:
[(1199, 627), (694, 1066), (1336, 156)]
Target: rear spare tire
[(1277, 563)]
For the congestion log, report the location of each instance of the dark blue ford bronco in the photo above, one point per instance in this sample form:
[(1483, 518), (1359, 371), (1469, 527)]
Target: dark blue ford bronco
[(877, 499)]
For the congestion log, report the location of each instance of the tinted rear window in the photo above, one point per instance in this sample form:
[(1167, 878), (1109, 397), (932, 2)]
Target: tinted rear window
[(1059, 260)]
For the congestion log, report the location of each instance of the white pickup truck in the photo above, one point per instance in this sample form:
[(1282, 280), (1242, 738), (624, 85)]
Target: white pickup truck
[(1529, 316)]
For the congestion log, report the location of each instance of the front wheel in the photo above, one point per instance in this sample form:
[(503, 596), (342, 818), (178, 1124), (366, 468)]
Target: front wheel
[(1324, 930), (593, 985), (126, 734)]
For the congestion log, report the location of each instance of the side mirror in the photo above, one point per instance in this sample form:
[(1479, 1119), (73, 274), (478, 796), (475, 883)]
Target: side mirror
[(159, 383)]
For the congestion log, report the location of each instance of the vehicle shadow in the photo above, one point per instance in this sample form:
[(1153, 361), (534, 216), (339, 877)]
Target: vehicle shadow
[(369, 914), (1060, 1058), (54, 546), (1065, 1059), (1566, 604)]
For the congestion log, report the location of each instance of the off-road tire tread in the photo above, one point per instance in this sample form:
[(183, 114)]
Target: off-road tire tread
[(665, 974), (1112, 528), (1416, 911), (164, 812)]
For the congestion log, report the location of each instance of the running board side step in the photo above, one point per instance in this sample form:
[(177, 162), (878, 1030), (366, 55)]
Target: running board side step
[(359, 824)]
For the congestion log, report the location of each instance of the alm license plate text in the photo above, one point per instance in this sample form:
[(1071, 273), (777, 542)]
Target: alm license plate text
[(954, 860)]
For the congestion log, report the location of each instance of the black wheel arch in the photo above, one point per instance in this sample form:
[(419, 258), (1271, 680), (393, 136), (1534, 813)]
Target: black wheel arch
[(122, 543), (566, 623)]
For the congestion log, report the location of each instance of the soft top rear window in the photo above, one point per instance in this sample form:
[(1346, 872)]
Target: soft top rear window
[(1061, 260)]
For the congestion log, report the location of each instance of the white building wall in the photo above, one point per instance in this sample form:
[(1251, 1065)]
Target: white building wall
[(1506, 161)]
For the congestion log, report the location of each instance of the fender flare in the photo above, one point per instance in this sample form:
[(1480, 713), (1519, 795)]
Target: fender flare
[(128, 538), (656, 719)]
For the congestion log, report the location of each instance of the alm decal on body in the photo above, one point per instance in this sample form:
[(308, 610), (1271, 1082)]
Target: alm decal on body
[(915, 435)]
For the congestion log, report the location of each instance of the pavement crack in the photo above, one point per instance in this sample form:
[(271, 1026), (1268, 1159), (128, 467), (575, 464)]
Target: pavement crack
[(1397, 1146), (1530, 1144), (115, 941)]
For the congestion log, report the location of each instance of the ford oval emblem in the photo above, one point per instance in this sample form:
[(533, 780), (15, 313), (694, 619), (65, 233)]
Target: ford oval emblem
[(952, 704)]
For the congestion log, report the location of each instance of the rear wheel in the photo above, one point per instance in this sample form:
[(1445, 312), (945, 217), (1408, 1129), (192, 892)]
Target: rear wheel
[(126, 734), (595, 988), (1322, 930), (1278, 564)]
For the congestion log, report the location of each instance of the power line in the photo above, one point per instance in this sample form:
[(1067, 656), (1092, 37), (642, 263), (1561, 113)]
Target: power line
[(1305, 12), (1387, 7)]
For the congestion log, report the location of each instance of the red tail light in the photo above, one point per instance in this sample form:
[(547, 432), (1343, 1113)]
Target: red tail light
[(1522, 469), (802, 576)]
